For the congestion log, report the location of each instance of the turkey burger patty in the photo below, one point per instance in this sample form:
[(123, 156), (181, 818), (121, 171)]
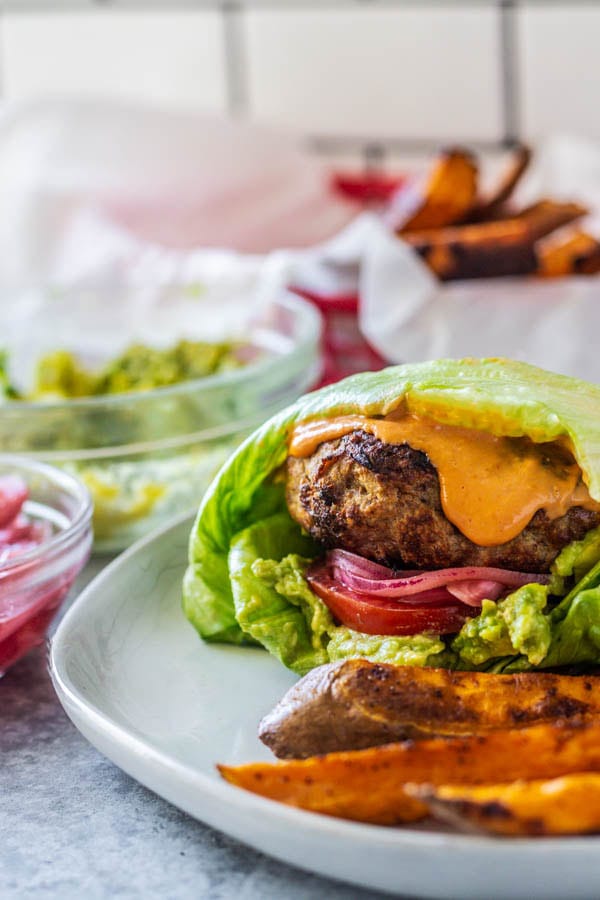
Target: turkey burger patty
[(382, 500)]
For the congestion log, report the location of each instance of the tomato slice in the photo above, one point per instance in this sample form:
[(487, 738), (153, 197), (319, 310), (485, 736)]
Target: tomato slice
[(382, 615)]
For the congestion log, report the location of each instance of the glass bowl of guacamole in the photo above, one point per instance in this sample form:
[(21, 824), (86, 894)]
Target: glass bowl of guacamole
[(147, 427)]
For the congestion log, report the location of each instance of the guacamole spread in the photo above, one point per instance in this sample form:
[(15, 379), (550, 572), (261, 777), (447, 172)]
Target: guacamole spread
[(60, 375)]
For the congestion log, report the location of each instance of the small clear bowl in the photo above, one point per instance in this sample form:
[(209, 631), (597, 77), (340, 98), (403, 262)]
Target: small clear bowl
[(148, 456), (34, 584)]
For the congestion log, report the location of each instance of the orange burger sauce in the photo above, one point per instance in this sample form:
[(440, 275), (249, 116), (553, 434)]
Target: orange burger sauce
[(491, 487)]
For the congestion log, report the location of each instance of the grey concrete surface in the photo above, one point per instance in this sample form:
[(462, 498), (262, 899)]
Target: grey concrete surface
[(72, 825)]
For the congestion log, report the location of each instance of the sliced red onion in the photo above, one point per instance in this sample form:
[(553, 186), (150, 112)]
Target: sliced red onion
[(434, 597), (366, 579), (352, 562), (473, 593)]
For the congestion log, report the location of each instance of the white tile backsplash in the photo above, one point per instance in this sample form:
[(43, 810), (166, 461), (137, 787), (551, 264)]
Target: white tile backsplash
[(560, 69), (414, 71), (417, 73), (173, 57)]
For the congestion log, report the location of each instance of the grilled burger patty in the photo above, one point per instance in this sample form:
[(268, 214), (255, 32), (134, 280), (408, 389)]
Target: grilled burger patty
[(382, 501)]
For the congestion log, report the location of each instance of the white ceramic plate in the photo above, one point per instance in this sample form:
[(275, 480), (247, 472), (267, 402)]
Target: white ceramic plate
[(165, 707)]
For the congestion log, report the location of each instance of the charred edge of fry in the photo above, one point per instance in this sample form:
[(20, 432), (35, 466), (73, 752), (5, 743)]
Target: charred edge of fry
[(569, 804), (492, 249), (466, 815), (425, 702), (463, 261)]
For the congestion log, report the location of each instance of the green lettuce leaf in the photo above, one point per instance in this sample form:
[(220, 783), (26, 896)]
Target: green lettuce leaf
[(575, 561), (576, 637), (503, 397), (207, 591), (273, 603), (276, 607)]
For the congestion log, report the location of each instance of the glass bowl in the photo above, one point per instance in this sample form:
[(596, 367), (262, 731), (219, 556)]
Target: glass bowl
[(34, 583), (148, 456)]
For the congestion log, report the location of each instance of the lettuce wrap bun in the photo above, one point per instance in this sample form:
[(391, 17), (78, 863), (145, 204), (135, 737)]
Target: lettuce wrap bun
[(255, 576)]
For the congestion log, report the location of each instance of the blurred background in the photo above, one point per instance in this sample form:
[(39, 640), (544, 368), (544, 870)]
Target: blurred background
[(359, 79)]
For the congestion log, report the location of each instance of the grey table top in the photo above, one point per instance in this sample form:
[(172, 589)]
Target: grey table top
[(73, 825)]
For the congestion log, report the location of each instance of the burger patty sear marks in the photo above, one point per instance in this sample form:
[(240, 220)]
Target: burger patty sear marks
[(382, 501)]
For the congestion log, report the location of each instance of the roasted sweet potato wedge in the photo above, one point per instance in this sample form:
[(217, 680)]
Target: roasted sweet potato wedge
[(446, 195), (363, 785), (490, 206), (355, 704), (492, 249), (577, 253), (368, 785), (546, 216), (566, 805), (485, 250)]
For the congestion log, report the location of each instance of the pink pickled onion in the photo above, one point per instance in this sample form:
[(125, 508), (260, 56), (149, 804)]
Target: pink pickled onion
[(362, 566), (474, 592), (468, 584), (13, 494)]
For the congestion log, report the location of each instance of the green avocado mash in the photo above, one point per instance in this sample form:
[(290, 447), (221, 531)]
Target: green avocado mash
[(132, 492), (276, 607), (60, 375), (245, 579), (516, 625)]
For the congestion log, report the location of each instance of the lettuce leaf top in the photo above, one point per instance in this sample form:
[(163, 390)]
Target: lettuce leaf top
[(229, 596)]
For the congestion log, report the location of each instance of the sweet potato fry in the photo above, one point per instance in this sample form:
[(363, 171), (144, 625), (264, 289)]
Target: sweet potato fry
[(362, 785), (368, 785), (447, 195), (575, 254), (356, 704), (489, 207), (547, 215), (567, 805), (486, 250), (492, 249)]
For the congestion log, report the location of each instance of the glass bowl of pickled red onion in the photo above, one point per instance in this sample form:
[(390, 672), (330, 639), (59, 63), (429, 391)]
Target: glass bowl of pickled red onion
[(45, 540)]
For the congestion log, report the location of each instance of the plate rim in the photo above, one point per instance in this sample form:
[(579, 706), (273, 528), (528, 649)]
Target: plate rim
[(72, 698)]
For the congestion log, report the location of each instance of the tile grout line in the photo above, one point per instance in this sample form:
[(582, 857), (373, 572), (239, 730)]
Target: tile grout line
[(510, 87), (234, 48)]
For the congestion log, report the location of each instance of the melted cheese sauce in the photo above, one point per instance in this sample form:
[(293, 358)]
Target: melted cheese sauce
[(491, 487)]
